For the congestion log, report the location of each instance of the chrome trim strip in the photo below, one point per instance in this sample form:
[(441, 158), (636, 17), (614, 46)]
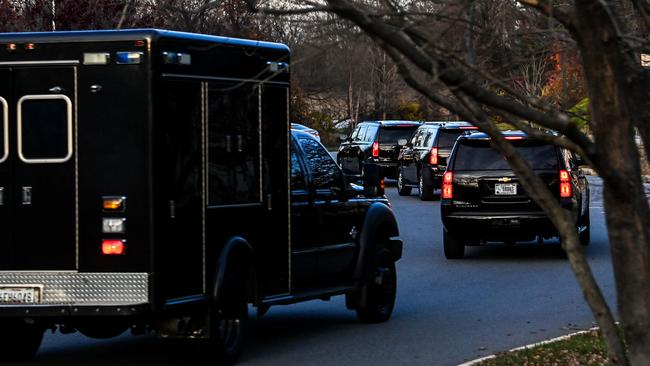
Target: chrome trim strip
[(50, 62), (326, 248), (204, 175), (5, 126), (76, 171), (20, 128), (203, 77)]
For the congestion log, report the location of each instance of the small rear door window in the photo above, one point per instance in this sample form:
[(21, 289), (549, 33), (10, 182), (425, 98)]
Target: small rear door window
[(45, 128), (4, 130), (480, 156), (390, 135)]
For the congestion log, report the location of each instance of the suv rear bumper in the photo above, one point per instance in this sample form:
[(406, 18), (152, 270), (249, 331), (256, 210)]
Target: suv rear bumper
[(496, 226)]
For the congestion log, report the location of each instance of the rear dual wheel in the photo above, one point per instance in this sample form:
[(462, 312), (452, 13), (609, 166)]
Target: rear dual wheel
[(19, 341), (379, 289)]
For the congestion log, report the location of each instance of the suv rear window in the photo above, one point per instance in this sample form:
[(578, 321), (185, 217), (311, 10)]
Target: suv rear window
[(473, 156), (448, 138), (390, 135)]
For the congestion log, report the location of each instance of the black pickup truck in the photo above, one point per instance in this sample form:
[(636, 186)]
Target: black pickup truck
[(149, 181)]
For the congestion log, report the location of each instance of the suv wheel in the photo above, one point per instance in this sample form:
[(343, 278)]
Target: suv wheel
[(379, 289), (585, 235), (401, 189), (453, 245), (19, 341), (426, 191)]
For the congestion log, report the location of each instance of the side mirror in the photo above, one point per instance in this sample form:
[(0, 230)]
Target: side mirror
[(402, 142), (373, 180), (343, 137)]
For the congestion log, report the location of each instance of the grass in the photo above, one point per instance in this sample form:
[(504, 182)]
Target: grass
[(584, 349)]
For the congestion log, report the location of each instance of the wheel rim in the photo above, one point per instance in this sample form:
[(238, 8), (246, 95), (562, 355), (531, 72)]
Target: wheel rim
[(229, 332), (385, 291)]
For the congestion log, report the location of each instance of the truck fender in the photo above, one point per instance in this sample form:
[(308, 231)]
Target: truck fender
[(234, 265), (379, 229)]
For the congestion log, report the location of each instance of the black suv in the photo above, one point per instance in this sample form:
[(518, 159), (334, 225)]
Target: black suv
[(375, 142), (482, 199), (423, 160)]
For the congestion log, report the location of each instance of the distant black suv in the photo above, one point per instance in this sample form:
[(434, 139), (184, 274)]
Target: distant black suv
[(482, 199), (375, 142), (423, 160)]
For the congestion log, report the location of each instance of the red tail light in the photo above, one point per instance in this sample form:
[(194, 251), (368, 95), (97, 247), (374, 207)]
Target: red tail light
[(375, 149), (514, 137), (447, 188), (566, 191), (433, 157), (113, 247)]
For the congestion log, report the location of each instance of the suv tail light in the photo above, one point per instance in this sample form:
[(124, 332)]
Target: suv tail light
[(566, 190), (375, 149), (447, 188), (433, 157)]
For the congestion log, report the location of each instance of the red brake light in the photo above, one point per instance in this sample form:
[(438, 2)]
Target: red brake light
[(113, 247), (447, 188), (514, 137), (566, 190), (469, 128), (375, 149), (433, 157)]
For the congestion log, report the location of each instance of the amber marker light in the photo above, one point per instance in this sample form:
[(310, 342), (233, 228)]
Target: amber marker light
[(112, 247), (114, 204)]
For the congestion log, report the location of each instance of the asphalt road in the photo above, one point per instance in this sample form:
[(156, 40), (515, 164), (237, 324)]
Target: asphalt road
[(447, 311)]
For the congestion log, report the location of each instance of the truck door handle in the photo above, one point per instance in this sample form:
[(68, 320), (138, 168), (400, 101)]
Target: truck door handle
[(27, 195)]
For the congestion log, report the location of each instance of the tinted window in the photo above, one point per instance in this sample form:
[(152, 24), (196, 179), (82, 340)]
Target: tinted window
[(448, 138), (428, 139), (324, 171), (45, 125), (390, 135), (233, 144), (482, 157), (297, 176), (371, 133), (361, 133)]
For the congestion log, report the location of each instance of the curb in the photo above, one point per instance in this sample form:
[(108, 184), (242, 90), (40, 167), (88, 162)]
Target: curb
[(532, 345)]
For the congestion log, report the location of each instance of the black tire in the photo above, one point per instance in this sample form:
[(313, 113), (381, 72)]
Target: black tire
[(402, 190), (19, 342), (103, 328), (453, 245), (585, 235), (379, 289), (426, 191)]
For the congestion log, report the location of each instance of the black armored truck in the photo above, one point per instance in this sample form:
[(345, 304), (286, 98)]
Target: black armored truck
[(149, 181)]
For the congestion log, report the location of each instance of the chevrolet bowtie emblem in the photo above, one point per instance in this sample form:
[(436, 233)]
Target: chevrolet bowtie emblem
[(505, 179)]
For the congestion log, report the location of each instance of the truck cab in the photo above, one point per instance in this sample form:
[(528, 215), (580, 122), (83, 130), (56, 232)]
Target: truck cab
[(149, 181)]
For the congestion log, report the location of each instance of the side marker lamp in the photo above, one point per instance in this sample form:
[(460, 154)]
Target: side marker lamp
[(129, 58), (114, 225), (113, 204), (101, 58), (113, 247)]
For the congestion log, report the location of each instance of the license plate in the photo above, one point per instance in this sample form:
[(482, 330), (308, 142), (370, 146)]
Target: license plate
[(505, 189), (20, 295)]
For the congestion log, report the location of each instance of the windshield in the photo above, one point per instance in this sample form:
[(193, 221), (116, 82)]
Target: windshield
[(472, 156), (390, 135)]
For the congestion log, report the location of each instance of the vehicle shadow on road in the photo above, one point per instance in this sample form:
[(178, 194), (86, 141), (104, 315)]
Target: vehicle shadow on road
[(520, 251)]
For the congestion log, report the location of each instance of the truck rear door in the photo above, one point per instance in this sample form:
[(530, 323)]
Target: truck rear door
[(38, 175)]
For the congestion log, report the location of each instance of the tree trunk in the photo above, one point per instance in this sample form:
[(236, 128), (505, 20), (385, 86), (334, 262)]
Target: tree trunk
[(628, 217)]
